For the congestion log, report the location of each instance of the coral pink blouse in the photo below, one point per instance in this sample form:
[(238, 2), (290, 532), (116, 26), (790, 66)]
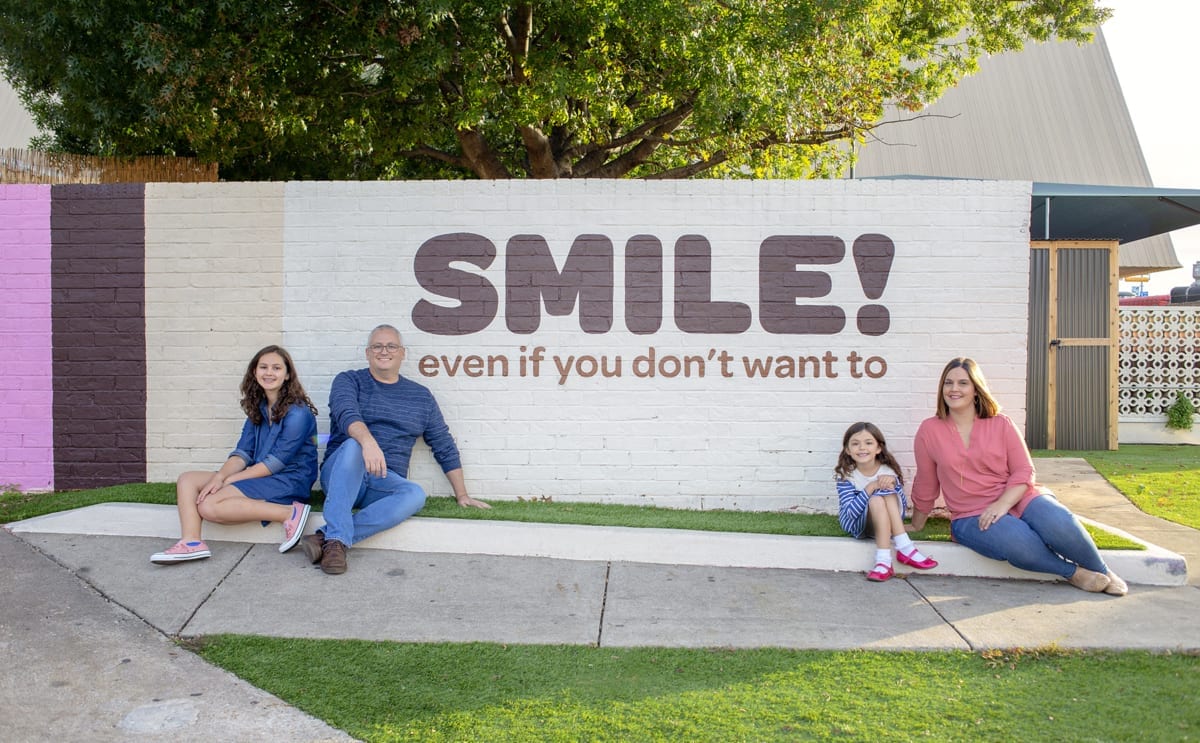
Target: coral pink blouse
[(971, 478)]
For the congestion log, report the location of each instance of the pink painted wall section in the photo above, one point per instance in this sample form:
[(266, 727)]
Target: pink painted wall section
[(26, 373)]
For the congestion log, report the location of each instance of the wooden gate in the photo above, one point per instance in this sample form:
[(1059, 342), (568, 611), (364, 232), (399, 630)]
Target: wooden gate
[(1071, 388)]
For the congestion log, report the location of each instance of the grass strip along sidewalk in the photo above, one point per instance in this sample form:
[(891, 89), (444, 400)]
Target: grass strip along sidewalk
[(17, 506), (383, 691)]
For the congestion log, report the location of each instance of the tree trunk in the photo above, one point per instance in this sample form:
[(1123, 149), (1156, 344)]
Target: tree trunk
[(483, 160)]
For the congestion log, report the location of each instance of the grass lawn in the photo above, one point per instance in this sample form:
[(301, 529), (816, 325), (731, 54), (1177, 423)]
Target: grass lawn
[(1161, 480), (381, 691)]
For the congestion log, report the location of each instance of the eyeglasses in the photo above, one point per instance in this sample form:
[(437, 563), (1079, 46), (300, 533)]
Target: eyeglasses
[(378, 348)]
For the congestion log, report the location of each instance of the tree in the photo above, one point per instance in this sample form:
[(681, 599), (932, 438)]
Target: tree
[(558, 88)]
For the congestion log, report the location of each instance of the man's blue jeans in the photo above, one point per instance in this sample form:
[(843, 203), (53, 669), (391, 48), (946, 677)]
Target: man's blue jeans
[(1046, 539), (382, 502)]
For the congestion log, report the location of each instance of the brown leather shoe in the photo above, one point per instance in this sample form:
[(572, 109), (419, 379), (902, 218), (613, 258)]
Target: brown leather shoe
[(1089, 580), (333, 561), (313, 545), (1116, 586)]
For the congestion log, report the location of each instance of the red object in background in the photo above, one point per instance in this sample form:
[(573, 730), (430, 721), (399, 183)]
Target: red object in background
[(1155, 300)]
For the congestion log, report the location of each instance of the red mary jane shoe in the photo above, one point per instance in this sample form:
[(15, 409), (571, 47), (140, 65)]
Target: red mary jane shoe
[(880, 572), (925, 564)]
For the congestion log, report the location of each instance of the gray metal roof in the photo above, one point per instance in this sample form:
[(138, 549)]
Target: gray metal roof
[(1051, 113), (1066, 211)]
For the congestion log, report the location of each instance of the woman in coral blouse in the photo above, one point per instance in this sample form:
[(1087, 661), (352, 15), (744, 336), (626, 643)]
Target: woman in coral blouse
[(976, 458)]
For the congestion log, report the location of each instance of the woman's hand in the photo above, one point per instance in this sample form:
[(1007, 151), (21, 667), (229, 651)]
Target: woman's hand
[(990, 516)]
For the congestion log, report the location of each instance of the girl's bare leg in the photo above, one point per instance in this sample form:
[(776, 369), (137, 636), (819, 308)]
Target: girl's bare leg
[(229, 506), (880, 516), (187, 488), (895, 518)]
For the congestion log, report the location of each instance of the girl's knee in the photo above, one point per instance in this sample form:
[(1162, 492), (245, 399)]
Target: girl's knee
[(208, 511)]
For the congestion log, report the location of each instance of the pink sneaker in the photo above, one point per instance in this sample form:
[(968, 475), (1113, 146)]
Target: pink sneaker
[(181, 552), (293, 528)]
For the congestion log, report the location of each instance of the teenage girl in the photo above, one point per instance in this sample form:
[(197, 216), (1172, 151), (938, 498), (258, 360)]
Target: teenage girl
[(871, 500), (268, 476)]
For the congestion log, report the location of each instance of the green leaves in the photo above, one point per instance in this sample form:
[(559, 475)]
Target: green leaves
[(437, 88)]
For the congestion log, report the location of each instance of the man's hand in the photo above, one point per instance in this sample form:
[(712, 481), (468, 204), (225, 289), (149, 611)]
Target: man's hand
[(467, 501), (373, 458)]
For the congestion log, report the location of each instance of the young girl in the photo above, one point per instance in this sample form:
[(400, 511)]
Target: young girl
[(268, 476), (871, 499)]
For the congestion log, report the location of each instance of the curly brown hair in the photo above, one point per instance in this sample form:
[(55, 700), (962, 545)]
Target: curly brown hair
[(845, 463), (291, 393)]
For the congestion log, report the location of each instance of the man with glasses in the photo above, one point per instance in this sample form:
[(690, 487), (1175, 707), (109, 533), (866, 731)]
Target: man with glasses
[(376, 416)]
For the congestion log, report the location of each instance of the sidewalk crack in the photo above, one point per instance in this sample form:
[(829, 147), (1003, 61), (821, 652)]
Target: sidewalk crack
[(209, 595), (931, 605), (603, 603)]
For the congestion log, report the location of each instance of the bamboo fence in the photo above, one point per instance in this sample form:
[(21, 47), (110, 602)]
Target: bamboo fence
[(31, 166)]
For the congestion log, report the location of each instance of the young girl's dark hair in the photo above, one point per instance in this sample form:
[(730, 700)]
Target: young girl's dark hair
[(291, 393), (845, 463)]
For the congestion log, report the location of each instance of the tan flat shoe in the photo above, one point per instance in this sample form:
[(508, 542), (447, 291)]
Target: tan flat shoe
[(1116, 586), (1089, 580)]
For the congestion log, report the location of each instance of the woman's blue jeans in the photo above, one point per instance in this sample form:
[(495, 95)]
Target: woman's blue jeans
[(382, 502), (1046, 539)]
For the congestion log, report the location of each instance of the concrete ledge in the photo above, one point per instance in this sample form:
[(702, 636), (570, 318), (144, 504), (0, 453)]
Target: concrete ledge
[(1154, 566)]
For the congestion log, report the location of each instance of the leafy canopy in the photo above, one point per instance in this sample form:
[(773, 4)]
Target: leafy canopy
[(371, 89)]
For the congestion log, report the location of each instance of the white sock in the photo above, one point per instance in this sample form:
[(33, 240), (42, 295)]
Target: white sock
[(883, 556), (904, 544)]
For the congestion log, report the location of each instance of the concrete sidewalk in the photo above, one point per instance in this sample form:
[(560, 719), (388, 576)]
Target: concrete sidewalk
[(90, 658)]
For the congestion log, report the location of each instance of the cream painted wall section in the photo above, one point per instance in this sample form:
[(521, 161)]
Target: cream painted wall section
[(214, 296)]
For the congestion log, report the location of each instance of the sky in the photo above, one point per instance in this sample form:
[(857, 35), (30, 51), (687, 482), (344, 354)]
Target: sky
[(1153, 48)]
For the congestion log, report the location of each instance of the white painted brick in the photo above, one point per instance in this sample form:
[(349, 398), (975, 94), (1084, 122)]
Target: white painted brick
[(232, 267)]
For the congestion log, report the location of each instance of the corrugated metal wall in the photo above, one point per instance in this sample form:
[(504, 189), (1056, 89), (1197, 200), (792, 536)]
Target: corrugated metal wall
[(1084, 307), (1037, 375), (1081, 384)]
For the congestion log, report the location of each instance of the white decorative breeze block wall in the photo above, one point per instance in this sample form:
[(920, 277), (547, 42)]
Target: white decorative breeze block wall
[(1159, 356)]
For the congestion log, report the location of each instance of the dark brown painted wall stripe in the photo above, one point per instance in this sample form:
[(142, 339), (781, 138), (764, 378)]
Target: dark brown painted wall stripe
[(98, 259)]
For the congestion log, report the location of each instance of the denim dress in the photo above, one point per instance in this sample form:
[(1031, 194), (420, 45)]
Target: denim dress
[(287, 448)]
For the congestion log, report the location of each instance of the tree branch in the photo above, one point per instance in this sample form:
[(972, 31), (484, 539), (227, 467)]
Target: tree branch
[(516, 29), (541, 156), (480, 157), (593, 159)]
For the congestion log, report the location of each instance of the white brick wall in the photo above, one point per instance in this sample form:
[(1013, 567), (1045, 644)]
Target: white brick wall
[(958, 286)]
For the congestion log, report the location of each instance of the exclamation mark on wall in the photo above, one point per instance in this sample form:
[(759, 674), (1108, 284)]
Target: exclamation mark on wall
[(873, 256)]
